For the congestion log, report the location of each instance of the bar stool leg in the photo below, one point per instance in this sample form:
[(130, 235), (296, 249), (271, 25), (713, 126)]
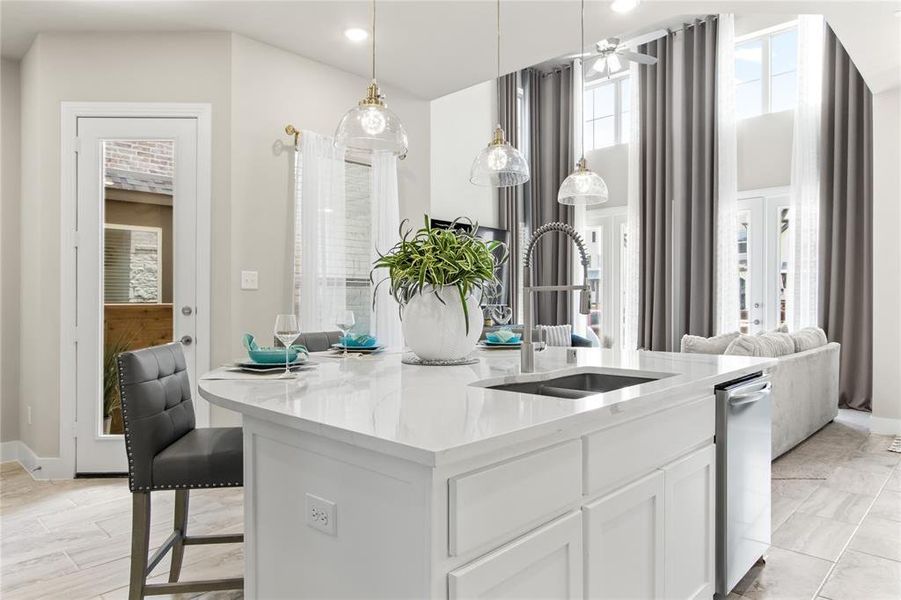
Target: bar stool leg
[(140, 543), (181, 530)]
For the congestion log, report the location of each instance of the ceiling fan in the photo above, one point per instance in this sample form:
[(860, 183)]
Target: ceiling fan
[(612, 55)]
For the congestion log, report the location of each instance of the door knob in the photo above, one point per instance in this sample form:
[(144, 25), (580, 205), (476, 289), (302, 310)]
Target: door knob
[(187, 311), (187, 340), (757, 321)]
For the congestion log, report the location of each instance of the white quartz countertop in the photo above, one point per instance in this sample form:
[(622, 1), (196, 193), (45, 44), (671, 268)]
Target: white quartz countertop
[(435, 415)]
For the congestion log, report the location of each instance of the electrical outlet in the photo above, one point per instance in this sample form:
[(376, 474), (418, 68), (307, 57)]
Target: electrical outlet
[(28, 412), (249, 280), (322, 514)]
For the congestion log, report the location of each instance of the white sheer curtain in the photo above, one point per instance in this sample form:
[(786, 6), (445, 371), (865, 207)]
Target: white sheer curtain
[(385, 216), (804, 213), (633, 227), (320, 268), (726, 260)]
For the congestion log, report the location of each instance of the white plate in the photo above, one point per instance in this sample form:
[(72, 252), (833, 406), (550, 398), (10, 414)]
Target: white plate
[(357, 349), (487, 346), (250, 365)]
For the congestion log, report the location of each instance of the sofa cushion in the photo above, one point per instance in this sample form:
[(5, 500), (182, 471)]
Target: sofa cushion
[(557, 335), (696, 344), (781, 329), (770, 345), (809, 338)]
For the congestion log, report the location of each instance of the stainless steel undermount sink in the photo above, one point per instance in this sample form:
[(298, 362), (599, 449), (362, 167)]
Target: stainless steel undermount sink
[(577, 385)]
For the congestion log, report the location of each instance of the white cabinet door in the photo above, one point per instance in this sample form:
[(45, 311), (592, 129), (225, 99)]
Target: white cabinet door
[(623, 535), (689, 507), (546, 563)]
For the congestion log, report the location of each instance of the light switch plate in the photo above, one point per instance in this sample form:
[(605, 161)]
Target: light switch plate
[(322, 514), (249, 280)]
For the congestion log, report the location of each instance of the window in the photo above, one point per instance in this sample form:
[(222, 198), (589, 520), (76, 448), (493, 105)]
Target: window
[(342, 275), (358, 243), (766, 72), (132, 264), (763, 260), (606, 113)]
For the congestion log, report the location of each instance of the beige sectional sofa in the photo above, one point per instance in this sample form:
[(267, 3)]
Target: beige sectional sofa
[(805, 382)]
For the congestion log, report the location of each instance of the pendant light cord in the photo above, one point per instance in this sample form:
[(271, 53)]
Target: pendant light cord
[(582, 91), (498, 39), (373, 40)]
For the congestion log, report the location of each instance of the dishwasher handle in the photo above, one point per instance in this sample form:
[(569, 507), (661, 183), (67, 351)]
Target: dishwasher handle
[(749, 397)]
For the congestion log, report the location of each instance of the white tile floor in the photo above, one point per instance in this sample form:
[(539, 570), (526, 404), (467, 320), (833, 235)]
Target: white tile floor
[(836, 528)]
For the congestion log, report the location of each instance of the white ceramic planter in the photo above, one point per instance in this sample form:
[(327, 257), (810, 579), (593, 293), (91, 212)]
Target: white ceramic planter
[(436, 330)]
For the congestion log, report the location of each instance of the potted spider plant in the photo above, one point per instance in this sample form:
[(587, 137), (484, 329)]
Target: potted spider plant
[(438, 276)]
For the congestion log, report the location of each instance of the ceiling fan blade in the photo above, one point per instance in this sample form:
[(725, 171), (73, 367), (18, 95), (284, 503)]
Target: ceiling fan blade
[(645, 38), (642, 59), (582, 55)]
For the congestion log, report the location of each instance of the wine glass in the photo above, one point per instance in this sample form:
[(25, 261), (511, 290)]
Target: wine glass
[(345, 322), (287, 332)]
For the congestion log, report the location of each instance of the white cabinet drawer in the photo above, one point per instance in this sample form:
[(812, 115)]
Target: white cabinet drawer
[(494, 504), (623, 453), (546, 563)]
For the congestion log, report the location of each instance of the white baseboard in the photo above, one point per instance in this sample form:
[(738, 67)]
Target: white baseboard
[(40, 468), (885, 426), (9, 451)]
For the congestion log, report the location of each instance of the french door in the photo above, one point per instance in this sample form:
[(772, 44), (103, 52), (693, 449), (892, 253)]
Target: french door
[(136, 264), (763, 260)]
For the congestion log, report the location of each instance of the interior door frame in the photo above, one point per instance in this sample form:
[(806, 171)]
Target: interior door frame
[(70, 112)]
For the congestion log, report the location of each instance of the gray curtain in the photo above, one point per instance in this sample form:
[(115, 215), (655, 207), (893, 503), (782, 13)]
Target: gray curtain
[(846, 222), (510, 199), (696, 184), (551, 142), (656, 190), (677, 188)]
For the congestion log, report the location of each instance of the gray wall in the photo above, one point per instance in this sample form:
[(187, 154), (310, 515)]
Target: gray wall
[(9, 251)]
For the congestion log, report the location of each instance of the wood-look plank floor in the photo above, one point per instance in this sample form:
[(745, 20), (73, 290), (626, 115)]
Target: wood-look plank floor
[(836, 528)]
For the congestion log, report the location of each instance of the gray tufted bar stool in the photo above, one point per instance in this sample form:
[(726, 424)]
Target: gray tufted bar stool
[(166, 452)]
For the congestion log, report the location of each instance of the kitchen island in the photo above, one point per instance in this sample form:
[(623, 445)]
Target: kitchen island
[(369, 478)]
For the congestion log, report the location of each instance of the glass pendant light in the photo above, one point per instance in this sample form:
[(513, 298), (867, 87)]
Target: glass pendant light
[(583, 187), (371, 126), (499, 164)]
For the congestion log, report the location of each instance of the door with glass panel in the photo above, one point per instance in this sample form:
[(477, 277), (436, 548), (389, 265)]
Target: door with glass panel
[(763, 261), (604, 233), (136, 264)]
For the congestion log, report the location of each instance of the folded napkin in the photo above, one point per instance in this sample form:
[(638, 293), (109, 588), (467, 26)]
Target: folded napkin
[(503, 336), (358, 340)]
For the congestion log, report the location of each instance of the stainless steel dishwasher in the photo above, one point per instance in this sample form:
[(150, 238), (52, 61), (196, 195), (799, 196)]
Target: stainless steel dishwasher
[(743, 456)]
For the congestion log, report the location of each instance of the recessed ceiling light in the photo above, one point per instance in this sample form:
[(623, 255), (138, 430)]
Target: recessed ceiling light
[(355, 34), (622, 6)]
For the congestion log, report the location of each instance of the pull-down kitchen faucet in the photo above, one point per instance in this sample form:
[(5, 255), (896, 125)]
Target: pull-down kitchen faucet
[(527, 352)]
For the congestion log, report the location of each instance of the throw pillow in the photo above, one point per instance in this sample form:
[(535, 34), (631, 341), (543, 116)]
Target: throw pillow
[(696, 344), (770, 345), (809, 338), (556, 335)]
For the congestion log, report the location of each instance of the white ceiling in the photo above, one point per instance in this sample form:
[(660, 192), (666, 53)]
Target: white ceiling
[(433, 47)]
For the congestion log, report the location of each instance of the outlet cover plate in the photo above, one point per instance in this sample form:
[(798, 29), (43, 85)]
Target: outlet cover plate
[(322, 514)]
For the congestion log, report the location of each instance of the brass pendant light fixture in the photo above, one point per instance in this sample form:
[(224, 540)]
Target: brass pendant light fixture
[(371, 126), (583, 187), (499, 164)]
